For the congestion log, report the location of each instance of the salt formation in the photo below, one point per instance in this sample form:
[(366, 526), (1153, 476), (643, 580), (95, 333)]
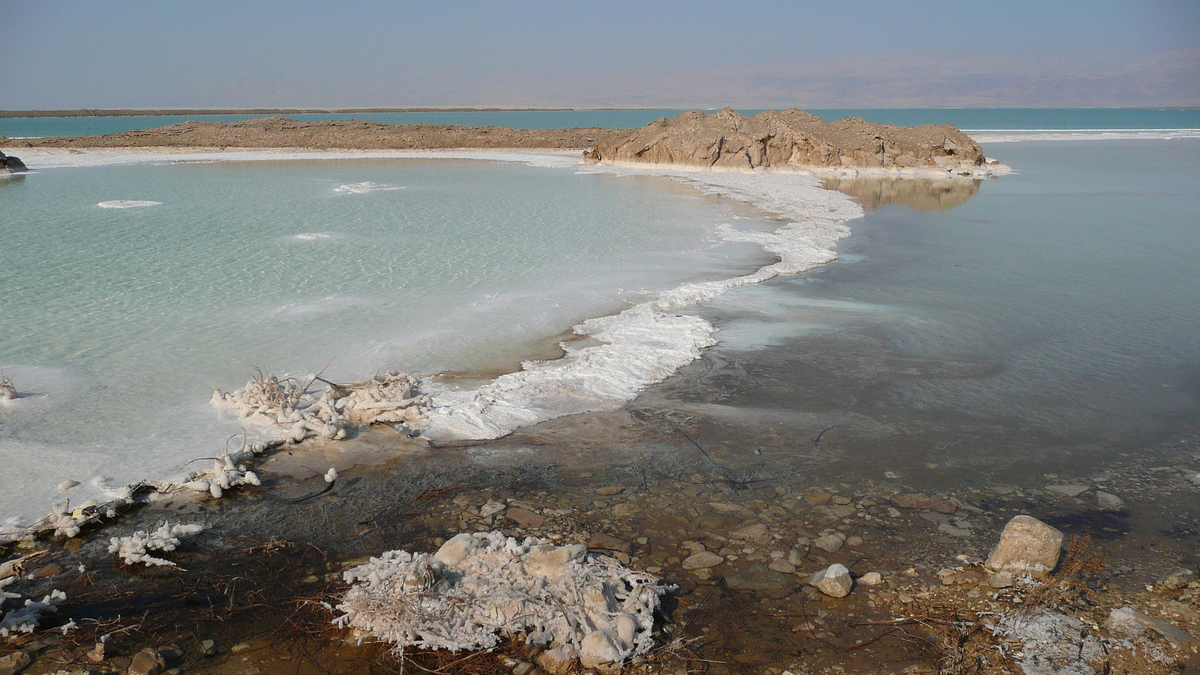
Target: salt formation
[(8, 391), (127, 204), (224, 474), (1054, 643), (26, 619), (286, 404), (136, 548), (476, 585)]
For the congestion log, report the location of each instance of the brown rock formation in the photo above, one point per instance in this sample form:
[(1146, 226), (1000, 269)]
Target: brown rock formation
[(726, 139), (10, 164)]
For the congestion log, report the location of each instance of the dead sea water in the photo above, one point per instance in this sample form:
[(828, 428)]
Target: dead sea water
[(131, 291)]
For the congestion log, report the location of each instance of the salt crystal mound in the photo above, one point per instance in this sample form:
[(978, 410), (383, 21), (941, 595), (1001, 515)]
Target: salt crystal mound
[(365, 188), (648, 342), (136, 548), (25, 620), (288, 409), (478, 585), (126, 204)]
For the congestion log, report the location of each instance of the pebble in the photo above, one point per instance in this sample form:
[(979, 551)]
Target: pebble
[(1068, 490), (609, 490), (830, 543), (702, 559), (1108, 501), (834, 581), (781, 565), (817, 498), (871, 579)]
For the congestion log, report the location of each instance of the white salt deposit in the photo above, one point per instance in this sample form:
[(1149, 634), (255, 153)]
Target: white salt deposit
[(322, 236), (364, 188), (126, 204), (479, 585), (26, 619), (647, 343), (136, 548)]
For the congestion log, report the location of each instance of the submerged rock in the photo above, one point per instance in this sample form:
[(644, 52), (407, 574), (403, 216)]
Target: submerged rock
[(10, 164), (834, 581), (1027, 547), (729, 140)]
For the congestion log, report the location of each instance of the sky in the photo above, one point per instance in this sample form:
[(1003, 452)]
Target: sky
[(835, 53)]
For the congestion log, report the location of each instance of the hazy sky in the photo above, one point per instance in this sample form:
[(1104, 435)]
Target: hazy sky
[(833, 53)]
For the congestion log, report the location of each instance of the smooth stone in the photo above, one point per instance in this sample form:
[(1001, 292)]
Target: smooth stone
[(14, 663), (609, 542), (871, 579), (757, 577), (947, 528), (781, 565), (829, 543), (1026, 546), (1001, 580), (1108, 501), (1069, 490), (817, 498), (525, 518), (834, 581), (702, 559), (147, 662), (756, 533), (610, 490)]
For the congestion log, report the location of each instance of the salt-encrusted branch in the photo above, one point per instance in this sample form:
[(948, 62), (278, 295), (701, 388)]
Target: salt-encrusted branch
[(135, 549), (287, 404)]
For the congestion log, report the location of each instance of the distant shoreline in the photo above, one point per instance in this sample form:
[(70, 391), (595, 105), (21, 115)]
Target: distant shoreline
[(151, 112)]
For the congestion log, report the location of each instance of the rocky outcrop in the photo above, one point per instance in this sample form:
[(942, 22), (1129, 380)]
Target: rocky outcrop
[(10, 164), (729, 140)]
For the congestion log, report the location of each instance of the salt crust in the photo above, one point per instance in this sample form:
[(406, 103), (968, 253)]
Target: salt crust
[(127, 204), (296, 414), (26, 619), (478, 585), (136, 548), (648, 342)]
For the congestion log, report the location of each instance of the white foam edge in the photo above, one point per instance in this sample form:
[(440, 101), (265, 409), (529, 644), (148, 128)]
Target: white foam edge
[(650, 341)]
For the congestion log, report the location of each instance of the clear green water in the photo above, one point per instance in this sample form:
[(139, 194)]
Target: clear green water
[(119, 322), (963, 118)]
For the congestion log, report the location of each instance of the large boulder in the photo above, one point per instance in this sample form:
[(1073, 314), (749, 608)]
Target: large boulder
[(1027, 547), (10, 164), (729, 140)]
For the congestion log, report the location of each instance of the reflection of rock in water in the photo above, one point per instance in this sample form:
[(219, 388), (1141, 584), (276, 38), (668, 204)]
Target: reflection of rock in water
[(922, 194)]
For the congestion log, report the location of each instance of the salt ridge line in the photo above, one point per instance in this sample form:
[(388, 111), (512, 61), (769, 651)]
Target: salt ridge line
[(646, 343)]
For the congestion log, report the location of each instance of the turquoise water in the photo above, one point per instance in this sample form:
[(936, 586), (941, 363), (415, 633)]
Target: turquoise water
[(1073, 286), (118, 322), (963, 118)]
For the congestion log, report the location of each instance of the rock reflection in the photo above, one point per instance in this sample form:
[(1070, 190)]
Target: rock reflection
[(921, 194), (7, 179)]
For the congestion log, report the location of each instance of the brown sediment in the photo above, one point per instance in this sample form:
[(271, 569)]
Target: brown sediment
[(280, 132)]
